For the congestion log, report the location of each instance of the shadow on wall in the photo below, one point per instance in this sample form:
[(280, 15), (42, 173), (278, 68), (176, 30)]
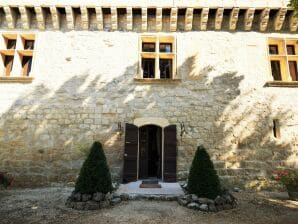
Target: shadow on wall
[(45, 134)]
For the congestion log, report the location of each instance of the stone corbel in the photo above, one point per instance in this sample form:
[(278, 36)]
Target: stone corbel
[(204, 18), (84, 17), (99, 17), (173, 19), (188, 19), (219, 18), (279, 19), (248, 18), (264, 19), (129, 18), (158, 19), (40, 17), (10, 17), (70, 17), (25, 17), (55, 17), (293, 23), (114, 19), (234, 18), (144, 19)]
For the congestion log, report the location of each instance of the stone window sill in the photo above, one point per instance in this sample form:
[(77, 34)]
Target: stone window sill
[(10, 79), (281, 84), (157, 81)]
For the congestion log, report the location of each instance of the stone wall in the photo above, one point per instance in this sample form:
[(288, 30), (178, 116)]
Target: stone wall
[(84, 85)]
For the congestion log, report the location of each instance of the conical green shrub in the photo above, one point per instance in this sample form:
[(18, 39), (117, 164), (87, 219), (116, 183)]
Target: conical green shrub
[(95, 174), (203, 179)]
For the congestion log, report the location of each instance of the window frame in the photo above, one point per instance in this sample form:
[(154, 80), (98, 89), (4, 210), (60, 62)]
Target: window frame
[(283, 57), (157, 55)]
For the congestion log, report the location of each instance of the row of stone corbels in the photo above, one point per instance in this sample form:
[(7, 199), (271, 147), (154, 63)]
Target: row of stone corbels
[(248, 19)]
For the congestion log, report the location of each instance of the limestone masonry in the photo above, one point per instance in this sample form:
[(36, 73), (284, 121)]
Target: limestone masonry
[(85, 79)]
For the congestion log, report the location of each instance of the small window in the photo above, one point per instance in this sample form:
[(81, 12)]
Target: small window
[(11, 44), (157, 57), (148, 66), (148, 47), (273, 49), (29, 45), (291, 49), (26, 65), (165, 67), (165, 47), (293, 70), (276, 128), (275, 69), (8, 62)]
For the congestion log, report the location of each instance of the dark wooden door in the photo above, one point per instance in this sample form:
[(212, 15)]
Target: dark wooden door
[(170, 153), (130, 167), (143, 159)]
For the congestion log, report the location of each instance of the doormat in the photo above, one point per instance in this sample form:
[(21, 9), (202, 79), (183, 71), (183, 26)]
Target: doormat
[(150, 183)]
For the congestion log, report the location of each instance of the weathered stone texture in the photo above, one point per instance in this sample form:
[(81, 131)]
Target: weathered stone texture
[(84, 85)]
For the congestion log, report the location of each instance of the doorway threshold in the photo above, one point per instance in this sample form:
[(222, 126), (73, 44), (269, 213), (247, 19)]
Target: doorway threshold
[(133, 190)]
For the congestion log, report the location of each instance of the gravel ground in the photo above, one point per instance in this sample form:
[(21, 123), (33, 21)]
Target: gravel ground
[(46, 205)]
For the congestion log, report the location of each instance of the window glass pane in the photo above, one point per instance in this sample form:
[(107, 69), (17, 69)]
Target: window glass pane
[(273, 49), (165, 67), (164, 47), (11, 44), (26, 64), (29, 45), (291, 49), (148, 66), (275, 68), (293, 70), (8, 62), (148, 47)]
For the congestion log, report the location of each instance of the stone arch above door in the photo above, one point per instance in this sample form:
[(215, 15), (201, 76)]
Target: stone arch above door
[(161, 122)]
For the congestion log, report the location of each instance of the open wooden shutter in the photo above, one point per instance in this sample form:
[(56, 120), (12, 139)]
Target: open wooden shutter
[(130, 153), (170, 153)]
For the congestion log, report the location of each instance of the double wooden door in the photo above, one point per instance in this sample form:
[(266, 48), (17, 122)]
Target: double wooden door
[(150, 151)]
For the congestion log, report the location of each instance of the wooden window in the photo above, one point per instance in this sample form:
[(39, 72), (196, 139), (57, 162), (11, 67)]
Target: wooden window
[(26, 65), (283, 59), (8, 62), (157, 57), (276, 128), (17, 56), (28, 44)]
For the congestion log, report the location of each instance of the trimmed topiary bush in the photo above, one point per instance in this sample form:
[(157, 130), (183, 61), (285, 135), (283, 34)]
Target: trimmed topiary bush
[(203, 180), (95, 174)]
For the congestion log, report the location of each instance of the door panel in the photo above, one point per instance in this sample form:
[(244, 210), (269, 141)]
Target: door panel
[(143, 160), (170, 153), (130, 153)]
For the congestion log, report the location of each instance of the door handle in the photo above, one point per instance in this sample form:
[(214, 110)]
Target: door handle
[(127, 142), (125, 154)]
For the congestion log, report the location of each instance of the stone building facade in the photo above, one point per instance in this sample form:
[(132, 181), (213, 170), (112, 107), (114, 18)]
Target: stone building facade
[(222, 73)]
